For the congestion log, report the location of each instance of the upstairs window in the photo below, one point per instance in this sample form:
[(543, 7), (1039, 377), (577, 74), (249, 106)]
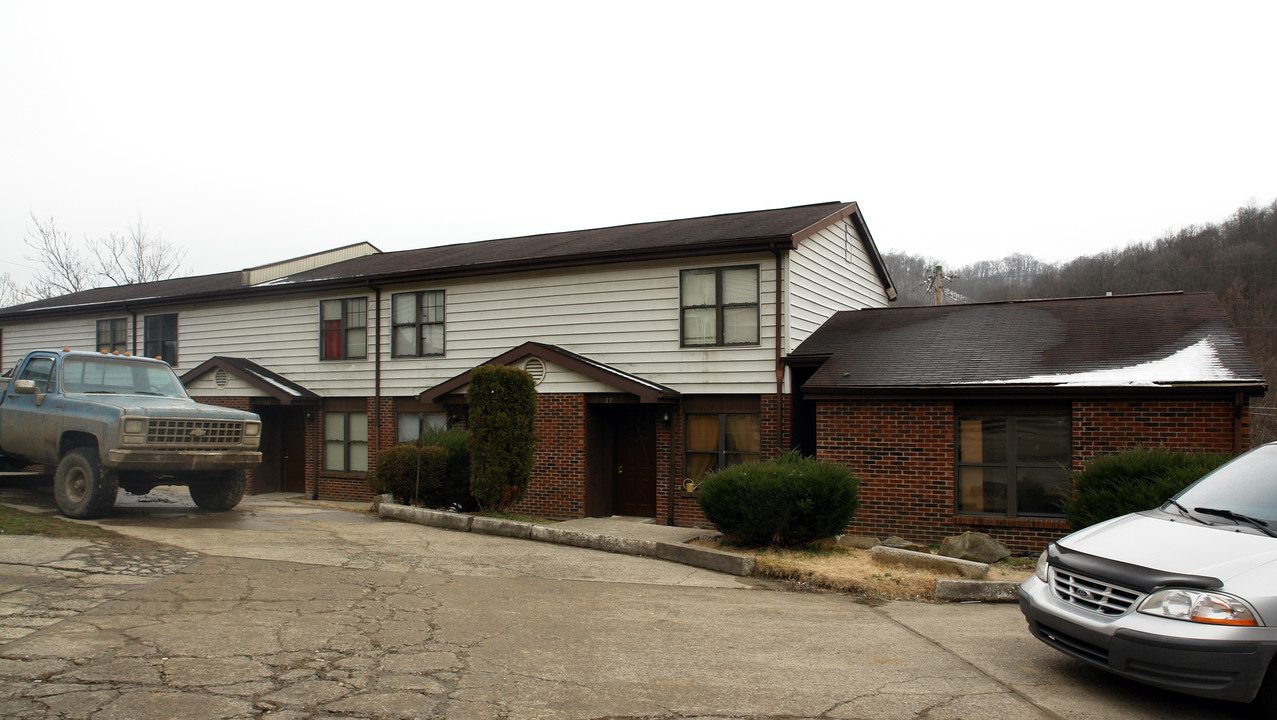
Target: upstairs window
[(720, 306), (1013, 465), (113, 335), (343, 329), (418, 319), (160, 337)]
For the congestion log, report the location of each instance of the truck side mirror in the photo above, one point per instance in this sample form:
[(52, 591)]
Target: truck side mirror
[(24, 387)]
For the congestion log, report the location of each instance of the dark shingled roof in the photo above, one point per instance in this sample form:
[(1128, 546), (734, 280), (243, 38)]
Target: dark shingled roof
[(1167, 339), (731, 233)]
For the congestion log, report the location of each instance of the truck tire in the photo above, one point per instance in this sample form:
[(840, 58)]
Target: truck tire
[(221, 492), (82, 488)]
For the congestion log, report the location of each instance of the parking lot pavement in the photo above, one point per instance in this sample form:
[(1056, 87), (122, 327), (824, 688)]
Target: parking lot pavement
[(290, 610)]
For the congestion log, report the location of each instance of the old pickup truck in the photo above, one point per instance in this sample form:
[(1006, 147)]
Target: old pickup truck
[(105, 422)]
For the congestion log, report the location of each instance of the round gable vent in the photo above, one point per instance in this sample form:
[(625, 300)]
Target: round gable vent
[(536, 368), (222, 378)]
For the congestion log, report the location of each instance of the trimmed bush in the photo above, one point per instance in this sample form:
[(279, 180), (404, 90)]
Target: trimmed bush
[(503, 404), (1135, 480), (412, 474), (454, 485), (788, 501)]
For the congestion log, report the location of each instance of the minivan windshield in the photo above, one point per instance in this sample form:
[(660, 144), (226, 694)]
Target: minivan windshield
[(1246, 486), (119, 376)]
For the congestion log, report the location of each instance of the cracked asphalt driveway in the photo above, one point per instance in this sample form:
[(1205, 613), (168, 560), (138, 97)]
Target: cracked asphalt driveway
[(288, 610)]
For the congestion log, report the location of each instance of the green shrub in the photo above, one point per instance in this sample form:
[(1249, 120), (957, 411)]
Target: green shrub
[(1134, 480), (411, 474), (788, 501), (454, 485), (503, 403)]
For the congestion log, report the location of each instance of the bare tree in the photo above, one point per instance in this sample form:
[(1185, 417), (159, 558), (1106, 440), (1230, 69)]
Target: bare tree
[(63, 268), (10, 293), (134, 256), (137, 257)]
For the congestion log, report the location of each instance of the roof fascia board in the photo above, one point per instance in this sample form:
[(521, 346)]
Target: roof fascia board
[(752, 245), (959, 392)]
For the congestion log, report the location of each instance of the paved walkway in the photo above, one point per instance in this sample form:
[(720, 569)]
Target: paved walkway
[(286, 610)]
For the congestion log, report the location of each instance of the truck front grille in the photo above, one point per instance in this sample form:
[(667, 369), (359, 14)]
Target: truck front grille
[(1094, 595), (192, 433)]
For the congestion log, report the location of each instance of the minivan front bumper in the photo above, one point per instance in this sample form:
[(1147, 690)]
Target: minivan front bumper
[(1213, 662)]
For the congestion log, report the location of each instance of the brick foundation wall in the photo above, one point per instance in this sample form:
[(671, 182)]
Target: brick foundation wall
[(903, 454)]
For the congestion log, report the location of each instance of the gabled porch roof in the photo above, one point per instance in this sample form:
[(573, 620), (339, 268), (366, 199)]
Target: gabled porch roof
[(645, 390), (273, 384)]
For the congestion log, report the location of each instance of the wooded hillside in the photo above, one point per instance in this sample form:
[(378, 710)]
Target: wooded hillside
[(1235, 259)]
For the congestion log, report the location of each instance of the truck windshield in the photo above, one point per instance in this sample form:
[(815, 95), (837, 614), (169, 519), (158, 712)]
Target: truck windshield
[(120, 376), (1243, 486)]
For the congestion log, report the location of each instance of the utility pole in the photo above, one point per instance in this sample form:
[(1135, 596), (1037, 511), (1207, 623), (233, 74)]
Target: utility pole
[(937, 282)]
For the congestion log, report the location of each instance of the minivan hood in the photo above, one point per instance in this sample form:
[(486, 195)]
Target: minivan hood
[(1156, 540)]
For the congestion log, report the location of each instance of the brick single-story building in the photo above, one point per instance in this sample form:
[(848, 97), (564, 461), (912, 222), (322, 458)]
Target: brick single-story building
[(971, 417)]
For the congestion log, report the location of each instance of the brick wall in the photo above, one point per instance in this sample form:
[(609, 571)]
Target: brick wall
[(557, 488), (903, 454)]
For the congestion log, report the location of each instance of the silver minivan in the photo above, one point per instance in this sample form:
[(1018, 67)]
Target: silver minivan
[(1183, 597)]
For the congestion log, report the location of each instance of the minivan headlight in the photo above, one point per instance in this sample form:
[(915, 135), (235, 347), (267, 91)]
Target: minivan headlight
[(1199, 606), (1042, 567)]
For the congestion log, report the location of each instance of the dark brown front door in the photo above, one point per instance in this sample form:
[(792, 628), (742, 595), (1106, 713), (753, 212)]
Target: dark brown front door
[(294, 460), (283, 467), (634, 481)]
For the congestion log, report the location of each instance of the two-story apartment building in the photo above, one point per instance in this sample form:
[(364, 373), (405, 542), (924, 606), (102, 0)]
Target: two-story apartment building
[(664, 350), (657, 347)]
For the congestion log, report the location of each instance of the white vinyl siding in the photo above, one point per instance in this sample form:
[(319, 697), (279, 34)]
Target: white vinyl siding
[(623, 315), (828, 272)]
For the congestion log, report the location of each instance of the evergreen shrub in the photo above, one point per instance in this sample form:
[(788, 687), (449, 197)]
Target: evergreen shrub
[(454, 485), (787, 501), (1133, 480), (503, 403), (413, 475)]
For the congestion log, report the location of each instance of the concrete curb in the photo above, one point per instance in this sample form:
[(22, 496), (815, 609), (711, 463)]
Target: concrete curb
[(705, 558), (963, 590)]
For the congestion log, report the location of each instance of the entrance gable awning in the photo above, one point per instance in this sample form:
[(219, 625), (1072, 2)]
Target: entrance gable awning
[(645, 390), (272, 384)]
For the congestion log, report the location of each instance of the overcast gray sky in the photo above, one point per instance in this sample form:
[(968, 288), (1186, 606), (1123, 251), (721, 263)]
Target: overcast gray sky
[(251, 132)]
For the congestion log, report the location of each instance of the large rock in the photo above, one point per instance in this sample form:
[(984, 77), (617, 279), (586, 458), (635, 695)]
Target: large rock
[(974, 546)]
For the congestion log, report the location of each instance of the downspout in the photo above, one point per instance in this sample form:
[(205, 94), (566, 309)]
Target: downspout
[(780, 369), (376, 366)]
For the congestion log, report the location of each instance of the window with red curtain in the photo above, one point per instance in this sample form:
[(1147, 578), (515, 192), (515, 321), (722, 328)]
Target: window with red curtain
[(343, 329)]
